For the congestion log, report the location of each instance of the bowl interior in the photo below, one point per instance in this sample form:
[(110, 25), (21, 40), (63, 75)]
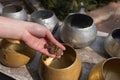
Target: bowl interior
[(12, 9), (79, 21), (19, 48), (43, 14), (65, 61), (111, 69), (116, 35)]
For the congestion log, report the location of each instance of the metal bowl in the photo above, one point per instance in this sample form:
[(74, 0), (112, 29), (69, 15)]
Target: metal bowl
[(46, 18), (112, 43), (14, 11), (78, 30), (1, 8), (106, 70), (68, 67), (15, 54)]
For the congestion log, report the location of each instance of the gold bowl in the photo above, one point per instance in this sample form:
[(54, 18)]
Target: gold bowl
[(68, 67), (108, 69), (15, 54)]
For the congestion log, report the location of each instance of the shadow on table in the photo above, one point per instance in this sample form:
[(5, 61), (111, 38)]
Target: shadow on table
[(98, 46), (86, 67), (32, 67), (5, 77)]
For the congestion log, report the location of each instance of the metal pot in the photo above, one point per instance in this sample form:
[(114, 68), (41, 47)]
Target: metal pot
[(15, 54), (46, 18), (68, 67), (112, 43), (1, 8), (15, 12), (106, 70), (78, 30)]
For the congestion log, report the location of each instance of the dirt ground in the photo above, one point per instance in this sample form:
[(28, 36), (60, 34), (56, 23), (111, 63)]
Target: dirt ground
[(107, 18)]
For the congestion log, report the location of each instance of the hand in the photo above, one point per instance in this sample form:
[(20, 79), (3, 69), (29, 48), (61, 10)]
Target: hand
[(37, 36), (33, 34)]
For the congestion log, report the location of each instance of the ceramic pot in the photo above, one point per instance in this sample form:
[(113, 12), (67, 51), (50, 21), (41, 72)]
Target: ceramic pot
[(68, 67), (15, 54), (15, 12), (78, 30), (112, 43), (106, 70), (46, 18)]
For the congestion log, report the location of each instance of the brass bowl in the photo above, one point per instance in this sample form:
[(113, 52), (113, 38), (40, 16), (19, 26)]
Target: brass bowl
[(14, 54), (0, 40), (68, 67), (106, 70)]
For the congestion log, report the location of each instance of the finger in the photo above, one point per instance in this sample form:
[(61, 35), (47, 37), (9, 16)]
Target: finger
[(37, 44), (58, 56), (53, 40)]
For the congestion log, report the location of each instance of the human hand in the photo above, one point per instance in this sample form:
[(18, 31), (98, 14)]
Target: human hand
[(33, 34), (37, 36)]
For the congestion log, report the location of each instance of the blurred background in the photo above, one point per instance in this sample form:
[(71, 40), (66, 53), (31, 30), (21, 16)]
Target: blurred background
[(103, 11)]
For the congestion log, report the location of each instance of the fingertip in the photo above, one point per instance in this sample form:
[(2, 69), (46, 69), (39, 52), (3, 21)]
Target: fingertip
[(51, 55), (58, 57), (63, 47)]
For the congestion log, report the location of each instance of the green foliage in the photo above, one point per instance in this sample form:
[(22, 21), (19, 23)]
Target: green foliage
[(60, 7), (63, 7)]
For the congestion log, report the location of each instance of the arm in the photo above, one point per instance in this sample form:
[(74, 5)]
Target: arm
[(33, 34)]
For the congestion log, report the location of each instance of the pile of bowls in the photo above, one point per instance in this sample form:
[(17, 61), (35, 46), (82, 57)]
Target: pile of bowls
[(109, 68), (77, 31), (13, 53)]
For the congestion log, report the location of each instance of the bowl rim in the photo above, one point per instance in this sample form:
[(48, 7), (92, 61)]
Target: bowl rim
[(76, 28), (105, 61), (13, 5), (33, 14), (113, 32), (67, 66)]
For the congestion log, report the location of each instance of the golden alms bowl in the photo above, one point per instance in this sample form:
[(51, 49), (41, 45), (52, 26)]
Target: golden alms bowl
[(106, 70), (15, 54), (68, 67)]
